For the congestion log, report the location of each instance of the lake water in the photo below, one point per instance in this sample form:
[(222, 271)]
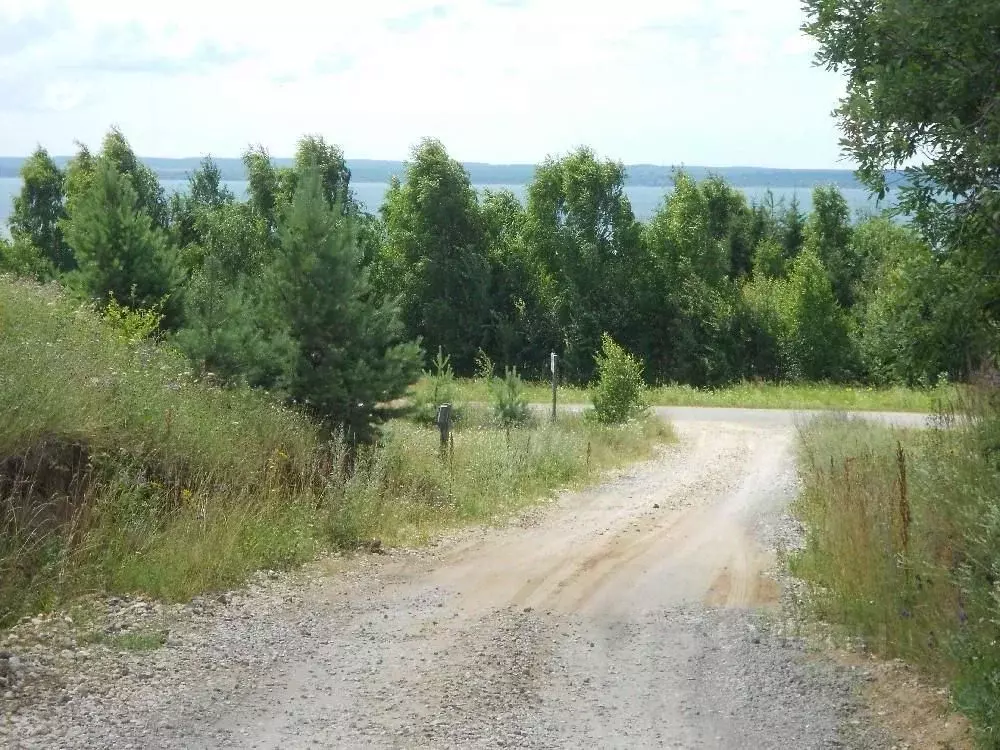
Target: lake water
[(645, 200)]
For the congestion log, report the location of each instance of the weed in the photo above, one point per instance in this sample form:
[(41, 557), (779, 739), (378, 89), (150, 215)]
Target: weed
[(903, 533)]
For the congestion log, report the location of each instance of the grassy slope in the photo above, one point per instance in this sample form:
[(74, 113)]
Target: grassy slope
[(903, 531), (749, 395), (120, 472)]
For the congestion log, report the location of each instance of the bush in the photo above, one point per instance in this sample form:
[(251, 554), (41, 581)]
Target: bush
[(620, 393), (437, 387), (510, 404), (133, 325)]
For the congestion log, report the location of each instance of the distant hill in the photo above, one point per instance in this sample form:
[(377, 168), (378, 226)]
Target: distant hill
[(379, 171)]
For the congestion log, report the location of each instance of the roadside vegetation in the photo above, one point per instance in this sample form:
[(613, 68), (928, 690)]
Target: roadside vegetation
[(903, 529), (211, 383), (121, 470), (830, 396)]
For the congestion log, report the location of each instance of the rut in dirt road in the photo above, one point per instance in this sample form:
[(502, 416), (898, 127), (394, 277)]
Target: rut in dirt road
[(639, 613)]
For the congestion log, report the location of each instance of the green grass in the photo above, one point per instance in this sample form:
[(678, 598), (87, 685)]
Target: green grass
[(140, 641), (748, 395), (903, 547), (120, 472), (403, 492)]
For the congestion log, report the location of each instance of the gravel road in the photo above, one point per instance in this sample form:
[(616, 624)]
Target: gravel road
[(640, 613)]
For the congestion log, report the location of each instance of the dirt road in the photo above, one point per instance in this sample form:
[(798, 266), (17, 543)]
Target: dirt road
[(639, 613)]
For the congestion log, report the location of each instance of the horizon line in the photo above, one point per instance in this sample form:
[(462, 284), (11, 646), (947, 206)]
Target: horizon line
[(521, 164)]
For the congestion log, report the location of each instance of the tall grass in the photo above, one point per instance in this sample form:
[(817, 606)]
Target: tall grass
[(120, 471), (903, 545), (404, 490), (755, 395)]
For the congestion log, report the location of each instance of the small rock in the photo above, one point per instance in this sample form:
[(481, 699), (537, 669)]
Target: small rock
[(8, 696)]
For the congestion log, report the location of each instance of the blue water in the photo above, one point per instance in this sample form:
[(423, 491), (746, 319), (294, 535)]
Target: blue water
[(645, 200)]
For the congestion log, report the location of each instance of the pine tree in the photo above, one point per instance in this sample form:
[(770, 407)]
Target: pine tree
[(119, 251), (350, 355)]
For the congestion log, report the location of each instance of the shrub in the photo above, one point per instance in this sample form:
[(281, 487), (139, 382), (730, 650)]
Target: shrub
[(620, 392), (437, 387), (133, 325), (510, 404), (508, 398)]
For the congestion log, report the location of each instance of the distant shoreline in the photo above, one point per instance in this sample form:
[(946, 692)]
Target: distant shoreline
[(379, 171)]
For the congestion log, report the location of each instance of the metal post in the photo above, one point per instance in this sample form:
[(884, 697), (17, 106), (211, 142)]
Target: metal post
[(443, 421), (552, 366)]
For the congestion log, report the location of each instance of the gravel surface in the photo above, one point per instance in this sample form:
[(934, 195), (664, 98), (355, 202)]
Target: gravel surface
[(640, 613)]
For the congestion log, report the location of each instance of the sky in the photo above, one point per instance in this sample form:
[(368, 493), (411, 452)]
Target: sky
[(698, 82)]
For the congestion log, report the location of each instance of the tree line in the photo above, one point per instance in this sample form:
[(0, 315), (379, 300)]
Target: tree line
[(299, 290)]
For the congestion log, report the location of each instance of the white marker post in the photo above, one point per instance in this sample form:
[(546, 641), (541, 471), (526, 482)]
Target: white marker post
[(552, 366)]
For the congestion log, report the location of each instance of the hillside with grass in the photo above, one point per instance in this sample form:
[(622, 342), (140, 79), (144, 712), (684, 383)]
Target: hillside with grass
[(122, 470)]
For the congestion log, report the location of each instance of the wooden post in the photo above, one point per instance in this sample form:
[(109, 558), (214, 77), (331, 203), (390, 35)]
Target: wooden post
[(443, 421), (552, 366)]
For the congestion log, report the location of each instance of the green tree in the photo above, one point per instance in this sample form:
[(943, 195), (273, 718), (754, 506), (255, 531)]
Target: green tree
[(769, 260), (206, 187), (685, 304), (314, 152), (119, 251), (793, 229), (922, 88), (816, 330), (760, 317), (150, 199), (828, 234), (581, 231), (351, 356), (764, 220), (921, 85), (77, 178), (730, 222), (225, 328), (269, 190), (435, 256), (920, 315), (38, 210), (522, 328), (206, 193)]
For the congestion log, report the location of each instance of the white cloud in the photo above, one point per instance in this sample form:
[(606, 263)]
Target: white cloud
[(501, 80)]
